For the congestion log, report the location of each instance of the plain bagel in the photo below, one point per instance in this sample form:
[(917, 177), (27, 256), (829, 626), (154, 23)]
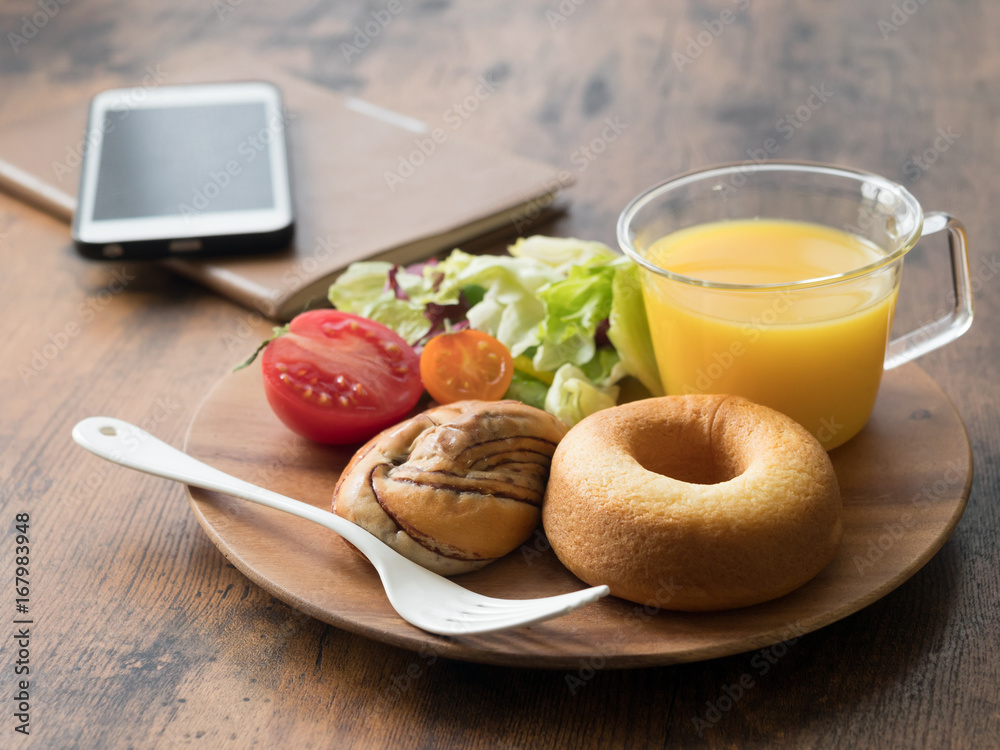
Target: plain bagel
[(692, 503)]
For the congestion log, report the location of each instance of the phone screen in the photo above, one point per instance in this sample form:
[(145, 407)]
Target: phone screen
[(163, 161)]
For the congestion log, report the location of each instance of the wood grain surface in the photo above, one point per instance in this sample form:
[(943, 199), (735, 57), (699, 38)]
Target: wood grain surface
[(144, 635)]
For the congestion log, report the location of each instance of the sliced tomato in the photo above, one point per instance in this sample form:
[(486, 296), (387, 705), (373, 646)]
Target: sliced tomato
[(340, 378), (466, 364)]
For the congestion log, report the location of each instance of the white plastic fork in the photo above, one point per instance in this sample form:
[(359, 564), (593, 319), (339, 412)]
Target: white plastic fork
[(422, 598)]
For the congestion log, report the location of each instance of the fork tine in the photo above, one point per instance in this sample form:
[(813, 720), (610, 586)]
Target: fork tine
[(486, 620), (520, 612), (492, 604), (478, 625), (474, 614)]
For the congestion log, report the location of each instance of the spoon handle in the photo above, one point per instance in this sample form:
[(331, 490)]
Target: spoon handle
[(130, 446)]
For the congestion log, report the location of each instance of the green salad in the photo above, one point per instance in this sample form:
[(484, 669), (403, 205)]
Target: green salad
[(570, 312)]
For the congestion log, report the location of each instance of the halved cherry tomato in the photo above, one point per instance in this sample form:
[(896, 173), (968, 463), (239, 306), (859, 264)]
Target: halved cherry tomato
[(466, 364), (340, 378)]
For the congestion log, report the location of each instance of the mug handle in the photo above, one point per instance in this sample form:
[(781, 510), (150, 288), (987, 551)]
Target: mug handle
[(936, 334)]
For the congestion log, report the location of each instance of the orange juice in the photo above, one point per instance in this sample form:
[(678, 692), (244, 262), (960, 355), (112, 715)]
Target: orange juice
[(777, 346)]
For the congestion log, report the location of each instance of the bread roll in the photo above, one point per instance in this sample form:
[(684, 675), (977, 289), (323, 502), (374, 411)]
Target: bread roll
[(455, 487)]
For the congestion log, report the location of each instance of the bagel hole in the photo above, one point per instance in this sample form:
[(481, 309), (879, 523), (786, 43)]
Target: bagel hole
[(686, 455)]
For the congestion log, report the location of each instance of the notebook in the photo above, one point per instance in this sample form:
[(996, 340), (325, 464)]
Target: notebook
[(368, 182)]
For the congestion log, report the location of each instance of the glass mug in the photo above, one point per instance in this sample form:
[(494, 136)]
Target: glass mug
[(813, 348)]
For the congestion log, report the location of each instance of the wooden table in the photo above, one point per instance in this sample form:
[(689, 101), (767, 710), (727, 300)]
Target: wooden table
[(144, 636)]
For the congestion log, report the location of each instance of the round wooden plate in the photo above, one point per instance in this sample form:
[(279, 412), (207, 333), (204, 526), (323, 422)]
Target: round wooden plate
[(905, 480)]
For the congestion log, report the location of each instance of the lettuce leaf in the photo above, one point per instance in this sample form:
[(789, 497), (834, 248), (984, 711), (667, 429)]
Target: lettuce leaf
[(605, 368), (572, 396), (527, 389), (629, 328), (562, 253), (510, 309), (363, 290), (574, 308)]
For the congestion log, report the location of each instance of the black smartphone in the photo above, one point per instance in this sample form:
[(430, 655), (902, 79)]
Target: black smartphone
[(185, 171)]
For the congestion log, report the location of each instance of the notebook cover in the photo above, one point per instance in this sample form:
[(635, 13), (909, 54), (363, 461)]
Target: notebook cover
[(368, 183)]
